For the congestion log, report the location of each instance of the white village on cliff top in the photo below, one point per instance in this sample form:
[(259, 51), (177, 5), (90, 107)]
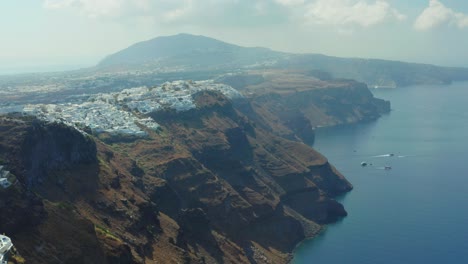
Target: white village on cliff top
[(109, 112)]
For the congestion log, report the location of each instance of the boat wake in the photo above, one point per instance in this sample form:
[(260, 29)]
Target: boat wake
[(407, 156), (384, 155), (392, 155), (383, 168)]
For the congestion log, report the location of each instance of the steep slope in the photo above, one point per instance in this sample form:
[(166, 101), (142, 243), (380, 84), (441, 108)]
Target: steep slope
[(209, 187), (292, 104), (53, 165)]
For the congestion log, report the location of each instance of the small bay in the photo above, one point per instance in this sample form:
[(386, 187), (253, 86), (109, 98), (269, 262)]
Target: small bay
[(416, 212)]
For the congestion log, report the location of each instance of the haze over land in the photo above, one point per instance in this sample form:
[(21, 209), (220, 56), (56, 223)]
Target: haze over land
[(183, 171), (123, 140), (77, 33)]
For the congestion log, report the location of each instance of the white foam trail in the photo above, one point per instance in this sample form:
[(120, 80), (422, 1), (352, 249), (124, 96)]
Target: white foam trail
[(383, 168), (383, 156), (406, 156)]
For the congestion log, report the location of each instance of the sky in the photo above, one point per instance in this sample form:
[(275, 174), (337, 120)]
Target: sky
[(43, 35)]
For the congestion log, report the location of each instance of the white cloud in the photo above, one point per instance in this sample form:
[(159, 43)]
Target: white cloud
[(184, 13), (100, 8), (290, 2), (179, 12), (351, 12), (345, 14), (57, 4), (437, 14)]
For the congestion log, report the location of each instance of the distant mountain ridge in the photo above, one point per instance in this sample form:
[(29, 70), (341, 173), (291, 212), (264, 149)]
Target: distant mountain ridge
[(376, 72), (189, 53)]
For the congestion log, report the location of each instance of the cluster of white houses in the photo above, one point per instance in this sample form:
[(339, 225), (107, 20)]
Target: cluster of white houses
[(5, 246), (124, 112), (98, 115), (4, 182), (174, 95)]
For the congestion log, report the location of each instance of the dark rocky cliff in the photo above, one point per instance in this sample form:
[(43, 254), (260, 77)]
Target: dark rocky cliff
[(54, 147), (248, 179), (53, 165)]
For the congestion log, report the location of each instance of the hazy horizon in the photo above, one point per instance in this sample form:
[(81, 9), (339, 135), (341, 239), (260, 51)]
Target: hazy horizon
[(68, 34)]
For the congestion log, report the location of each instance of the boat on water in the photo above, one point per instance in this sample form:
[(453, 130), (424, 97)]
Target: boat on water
[(363, 164), (387, 167)]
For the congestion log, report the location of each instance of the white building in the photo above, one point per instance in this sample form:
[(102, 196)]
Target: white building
[(5, 247), (4, 173), (120, 112), (5, 183)]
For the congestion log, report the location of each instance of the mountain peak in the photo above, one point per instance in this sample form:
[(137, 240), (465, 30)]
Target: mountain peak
[(186, 49), (185, 37)]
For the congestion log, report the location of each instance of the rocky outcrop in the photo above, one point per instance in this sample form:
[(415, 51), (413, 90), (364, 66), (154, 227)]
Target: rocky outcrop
[(54, 146), (52, 164)]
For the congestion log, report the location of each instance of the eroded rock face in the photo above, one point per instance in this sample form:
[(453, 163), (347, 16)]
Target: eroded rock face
[(246, 180), (54, 146)]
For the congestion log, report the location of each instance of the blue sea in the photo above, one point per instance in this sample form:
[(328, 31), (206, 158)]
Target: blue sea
[(417, 212)]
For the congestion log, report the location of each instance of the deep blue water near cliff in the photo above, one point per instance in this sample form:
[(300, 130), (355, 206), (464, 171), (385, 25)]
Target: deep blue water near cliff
[(418, 211)]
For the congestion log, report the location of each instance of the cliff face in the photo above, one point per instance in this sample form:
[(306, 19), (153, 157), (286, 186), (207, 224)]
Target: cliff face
[(212, 186), (291, 104), (54, 147), (228, 182), (51, 166), (347, 103), (247, 180)]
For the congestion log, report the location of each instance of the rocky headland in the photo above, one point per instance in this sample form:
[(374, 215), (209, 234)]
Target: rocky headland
[(229, 180)]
